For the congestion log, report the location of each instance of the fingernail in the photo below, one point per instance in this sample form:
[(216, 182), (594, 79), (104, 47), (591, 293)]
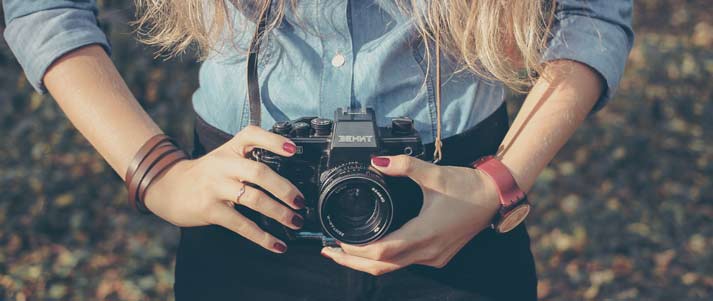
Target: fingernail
[(280, 247), (324, 255), (289, 147), (298, 221), (299, 202), (381, 161)]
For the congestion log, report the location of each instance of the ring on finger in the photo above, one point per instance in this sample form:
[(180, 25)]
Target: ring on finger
[(240, 193)]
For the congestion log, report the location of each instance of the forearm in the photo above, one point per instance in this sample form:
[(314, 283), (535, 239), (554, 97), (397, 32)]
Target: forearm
[(555, 107), (92, 94)]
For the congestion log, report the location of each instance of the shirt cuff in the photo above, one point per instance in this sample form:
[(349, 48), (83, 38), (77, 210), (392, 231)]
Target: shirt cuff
[(601, 45), (40, 38)]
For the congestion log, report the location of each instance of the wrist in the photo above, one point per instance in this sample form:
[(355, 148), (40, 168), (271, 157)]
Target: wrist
[(164, 185), (155, 157), (513, 204), (488, 192), (518, 172)]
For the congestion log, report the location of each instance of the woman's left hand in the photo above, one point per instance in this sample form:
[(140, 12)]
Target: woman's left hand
[(458, 203)]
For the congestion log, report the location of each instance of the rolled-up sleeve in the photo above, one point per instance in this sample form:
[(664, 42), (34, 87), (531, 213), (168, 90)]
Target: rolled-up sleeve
[(596, 33), (41, 31)]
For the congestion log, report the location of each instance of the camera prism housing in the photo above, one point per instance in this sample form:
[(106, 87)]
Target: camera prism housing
[(346, 199)]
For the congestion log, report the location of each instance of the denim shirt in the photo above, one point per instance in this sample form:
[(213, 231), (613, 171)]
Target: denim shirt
[(338, 53)]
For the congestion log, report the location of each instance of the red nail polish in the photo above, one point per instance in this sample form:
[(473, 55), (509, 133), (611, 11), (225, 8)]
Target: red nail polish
[(298, 221), (280, 247), (299, 202), (289, 147), (381, 161)]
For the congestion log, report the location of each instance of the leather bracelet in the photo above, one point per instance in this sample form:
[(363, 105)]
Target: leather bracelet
[(144, 150), (146, 163), (161, 166), (154, 157)]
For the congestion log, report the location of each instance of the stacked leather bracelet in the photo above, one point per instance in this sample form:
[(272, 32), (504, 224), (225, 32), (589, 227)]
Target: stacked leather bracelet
[(153, 158)]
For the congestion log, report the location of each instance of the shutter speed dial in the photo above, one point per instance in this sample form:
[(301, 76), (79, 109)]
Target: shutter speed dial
[(301, 129), (282, 128), (321, 126)]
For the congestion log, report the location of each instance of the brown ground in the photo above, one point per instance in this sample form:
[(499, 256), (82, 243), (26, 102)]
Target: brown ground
[(627, 218)]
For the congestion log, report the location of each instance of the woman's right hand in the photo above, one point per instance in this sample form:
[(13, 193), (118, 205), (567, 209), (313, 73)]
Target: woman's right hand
[(203, 191)]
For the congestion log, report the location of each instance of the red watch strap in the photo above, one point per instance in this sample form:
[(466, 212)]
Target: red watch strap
[(508, 190)]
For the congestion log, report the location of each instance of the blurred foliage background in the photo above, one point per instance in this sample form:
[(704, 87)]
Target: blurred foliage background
[(624, 212)]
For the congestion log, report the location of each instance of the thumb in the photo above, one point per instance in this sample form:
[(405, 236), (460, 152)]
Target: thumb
[(403, 165)]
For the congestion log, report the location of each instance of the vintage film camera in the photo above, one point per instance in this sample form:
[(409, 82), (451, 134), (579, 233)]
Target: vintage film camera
[(346, 199)]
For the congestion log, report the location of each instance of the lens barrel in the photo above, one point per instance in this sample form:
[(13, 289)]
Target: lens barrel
[(354, 205)]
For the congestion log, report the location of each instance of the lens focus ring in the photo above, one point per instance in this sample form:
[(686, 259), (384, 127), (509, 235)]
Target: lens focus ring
[(354, 205)]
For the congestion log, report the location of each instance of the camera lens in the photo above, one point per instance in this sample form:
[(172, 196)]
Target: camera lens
[(354, 205)]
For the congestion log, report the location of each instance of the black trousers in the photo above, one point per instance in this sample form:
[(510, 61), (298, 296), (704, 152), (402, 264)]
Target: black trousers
[(216, 264)]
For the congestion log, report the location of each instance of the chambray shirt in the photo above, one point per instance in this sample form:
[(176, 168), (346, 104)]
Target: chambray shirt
[(336, 53)]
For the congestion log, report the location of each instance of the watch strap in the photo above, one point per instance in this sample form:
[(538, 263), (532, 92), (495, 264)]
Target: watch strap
[(509, 192)]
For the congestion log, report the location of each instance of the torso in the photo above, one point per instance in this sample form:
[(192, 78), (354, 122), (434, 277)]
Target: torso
[(342, 54)]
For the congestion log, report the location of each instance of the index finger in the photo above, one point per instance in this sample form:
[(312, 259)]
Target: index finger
[(255, 137), (373, 267), (402, 165), (394, 245)]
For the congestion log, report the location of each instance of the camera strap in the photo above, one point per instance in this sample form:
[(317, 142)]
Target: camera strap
[(254, 86), (437, 154), (252, 77)]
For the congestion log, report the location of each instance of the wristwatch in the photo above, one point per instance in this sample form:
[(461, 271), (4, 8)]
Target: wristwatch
[(514, 206)]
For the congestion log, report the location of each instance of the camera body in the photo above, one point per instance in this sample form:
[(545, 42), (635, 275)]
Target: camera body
[(346, 199)]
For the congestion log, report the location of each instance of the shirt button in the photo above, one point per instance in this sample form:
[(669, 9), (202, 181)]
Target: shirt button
[(338, 60)]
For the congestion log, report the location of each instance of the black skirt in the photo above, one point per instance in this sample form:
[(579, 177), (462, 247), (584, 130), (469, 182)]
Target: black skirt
[(215, 264)]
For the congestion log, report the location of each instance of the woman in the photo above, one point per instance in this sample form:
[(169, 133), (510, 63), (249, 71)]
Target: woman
[(318, 57)]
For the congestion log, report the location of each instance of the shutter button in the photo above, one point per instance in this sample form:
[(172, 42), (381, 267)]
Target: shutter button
[(338, 60)]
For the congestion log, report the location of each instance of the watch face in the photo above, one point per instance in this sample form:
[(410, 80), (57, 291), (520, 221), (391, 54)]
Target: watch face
[(513, 218)]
